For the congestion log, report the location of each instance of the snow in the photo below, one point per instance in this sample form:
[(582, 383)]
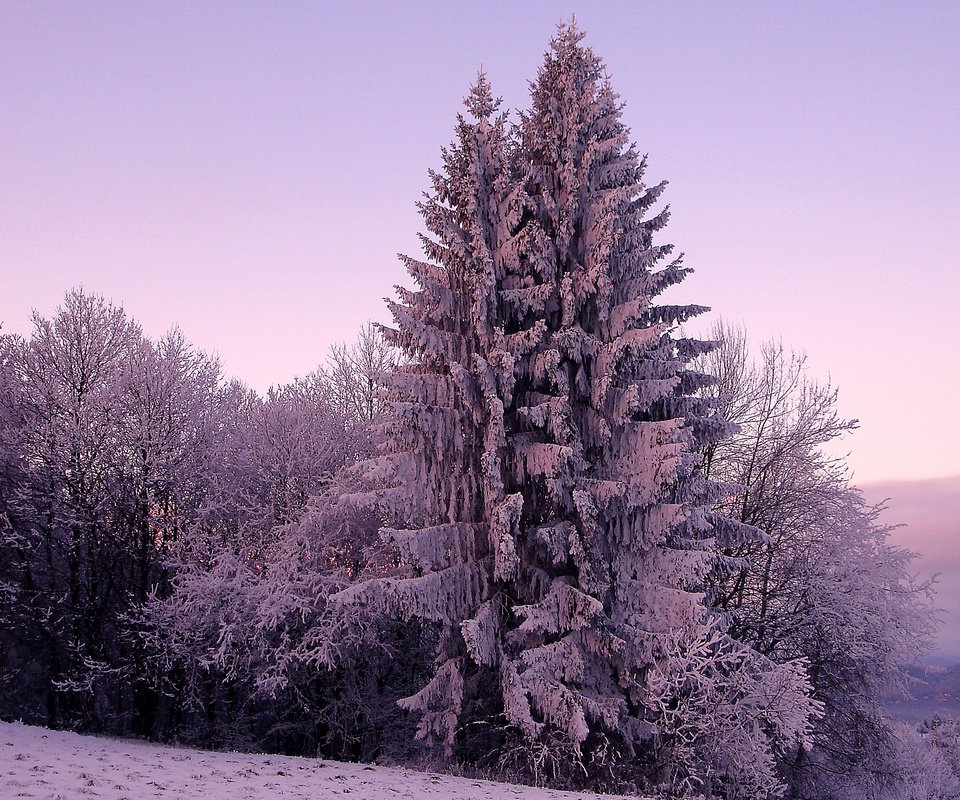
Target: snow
[(56, 765)]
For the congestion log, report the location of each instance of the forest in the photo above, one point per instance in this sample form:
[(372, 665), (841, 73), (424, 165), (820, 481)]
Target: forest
[(533, 530)]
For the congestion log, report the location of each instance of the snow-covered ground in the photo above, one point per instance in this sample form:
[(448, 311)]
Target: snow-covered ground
[(53, 765)]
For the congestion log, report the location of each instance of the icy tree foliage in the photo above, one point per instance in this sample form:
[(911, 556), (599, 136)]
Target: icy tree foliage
[(162, 569), (109, 433), (353, 374), (824, 584), (540, 482), (727, 713), (244, 632)]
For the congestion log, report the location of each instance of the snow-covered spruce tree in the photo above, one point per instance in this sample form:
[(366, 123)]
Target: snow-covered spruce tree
[(541, 485)]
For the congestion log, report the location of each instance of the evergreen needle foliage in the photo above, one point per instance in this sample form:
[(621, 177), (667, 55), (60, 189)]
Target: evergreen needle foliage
[(541, 479)]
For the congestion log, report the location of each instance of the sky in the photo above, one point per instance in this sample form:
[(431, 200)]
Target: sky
[(928, 512), (249, 171)]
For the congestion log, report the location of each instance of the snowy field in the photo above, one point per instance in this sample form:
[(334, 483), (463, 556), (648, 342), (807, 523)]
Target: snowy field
[(53, 765)]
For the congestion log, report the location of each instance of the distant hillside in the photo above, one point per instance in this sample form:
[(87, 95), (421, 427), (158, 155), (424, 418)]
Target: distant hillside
[(936, 691)]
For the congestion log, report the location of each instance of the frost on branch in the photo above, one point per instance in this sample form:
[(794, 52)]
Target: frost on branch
[(439, 703), (545, 497), (727, 713)]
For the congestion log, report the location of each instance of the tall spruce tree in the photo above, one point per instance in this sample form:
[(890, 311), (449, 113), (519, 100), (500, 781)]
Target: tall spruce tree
[(541, 482)]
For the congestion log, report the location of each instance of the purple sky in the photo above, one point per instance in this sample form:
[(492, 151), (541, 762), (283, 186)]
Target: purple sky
[(249, 170)]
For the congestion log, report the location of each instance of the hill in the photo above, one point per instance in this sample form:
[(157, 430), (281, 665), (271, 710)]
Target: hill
[(935, 692), (56, 765)]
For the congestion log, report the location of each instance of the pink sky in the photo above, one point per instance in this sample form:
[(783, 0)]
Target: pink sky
[(249, 171), (930, 514)]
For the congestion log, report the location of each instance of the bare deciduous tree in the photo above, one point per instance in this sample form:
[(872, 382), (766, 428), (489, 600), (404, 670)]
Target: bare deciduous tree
[(824, 584)]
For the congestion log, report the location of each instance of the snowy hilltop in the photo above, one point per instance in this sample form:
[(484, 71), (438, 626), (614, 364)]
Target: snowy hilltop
[(56, 765)]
